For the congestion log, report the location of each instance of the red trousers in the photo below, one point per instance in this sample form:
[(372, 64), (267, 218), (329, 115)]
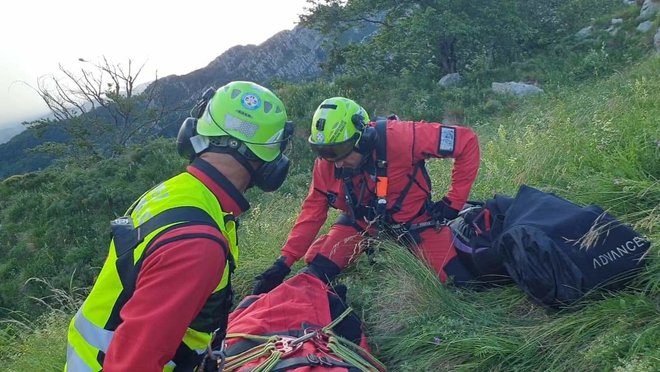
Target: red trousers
[(343, 245)]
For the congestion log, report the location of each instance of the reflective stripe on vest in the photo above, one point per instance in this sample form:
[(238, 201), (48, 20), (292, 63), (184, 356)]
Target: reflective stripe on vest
[(92, 328), (95, 336), (74, 362)]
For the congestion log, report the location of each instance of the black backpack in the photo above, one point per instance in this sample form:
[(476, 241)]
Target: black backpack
[(557, 251)]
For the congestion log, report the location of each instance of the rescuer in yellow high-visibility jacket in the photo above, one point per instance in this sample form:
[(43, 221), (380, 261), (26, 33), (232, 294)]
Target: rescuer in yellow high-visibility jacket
[(165, 288)]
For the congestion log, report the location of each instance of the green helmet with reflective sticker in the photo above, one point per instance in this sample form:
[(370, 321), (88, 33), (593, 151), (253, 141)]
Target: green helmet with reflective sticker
[(248, 112), (336, 129)]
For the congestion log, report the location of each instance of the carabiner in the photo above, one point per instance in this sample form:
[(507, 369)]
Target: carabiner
[(286, 345)]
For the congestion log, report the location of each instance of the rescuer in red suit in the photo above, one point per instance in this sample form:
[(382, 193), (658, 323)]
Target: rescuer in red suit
[(374, 172)]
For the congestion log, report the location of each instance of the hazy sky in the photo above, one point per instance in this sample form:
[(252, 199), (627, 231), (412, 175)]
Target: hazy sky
[(172, 37)]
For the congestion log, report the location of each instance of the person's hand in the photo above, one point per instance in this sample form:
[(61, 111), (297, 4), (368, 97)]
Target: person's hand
[(272, 277), (441, 211)]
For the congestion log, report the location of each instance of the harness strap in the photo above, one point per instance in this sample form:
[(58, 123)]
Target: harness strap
[(126, 236), (252, 341), (382, 178), (416, 226), (411, 179), (310, 360), (180, 214), (351, 200), (381, 167), (346, 220)]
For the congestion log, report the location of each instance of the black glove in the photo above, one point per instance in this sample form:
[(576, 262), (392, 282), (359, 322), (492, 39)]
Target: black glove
[(442, 212), (272, 277)]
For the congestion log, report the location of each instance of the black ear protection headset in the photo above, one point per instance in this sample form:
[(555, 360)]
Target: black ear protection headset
[(269, 176), (368, 135)]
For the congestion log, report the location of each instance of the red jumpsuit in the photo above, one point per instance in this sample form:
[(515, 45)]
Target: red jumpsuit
[(408, 144)]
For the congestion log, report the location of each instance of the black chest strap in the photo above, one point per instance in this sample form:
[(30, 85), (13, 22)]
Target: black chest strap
[(381, 167), (378, 168), (127, 237)]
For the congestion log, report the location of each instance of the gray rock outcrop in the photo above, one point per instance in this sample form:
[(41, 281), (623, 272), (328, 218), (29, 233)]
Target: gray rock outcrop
[(615, 24), (290, 55), (450, 80), (645, 26), (649, 8), (516, 88), (584, 32)]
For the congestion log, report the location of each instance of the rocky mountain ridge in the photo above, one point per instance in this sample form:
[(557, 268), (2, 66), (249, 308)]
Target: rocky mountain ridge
[(290, 55)]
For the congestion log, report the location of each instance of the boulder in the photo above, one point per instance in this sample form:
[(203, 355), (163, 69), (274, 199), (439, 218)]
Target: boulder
[(450, 80), (649, 8), (516, 88), (615, 23), (645, 26), (656, 40)]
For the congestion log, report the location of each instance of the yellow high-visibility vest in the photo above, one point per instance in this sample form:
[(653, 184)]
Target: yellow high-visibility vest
[(179, 200)]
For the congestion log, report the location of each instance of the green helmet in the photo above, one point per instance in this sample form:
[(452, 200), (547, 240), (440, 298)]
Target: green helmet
[(248, 112), (335, 129)]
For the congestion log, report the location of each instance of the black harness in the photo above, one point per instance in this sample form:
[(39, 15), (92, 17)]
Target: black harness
[(376, 211)]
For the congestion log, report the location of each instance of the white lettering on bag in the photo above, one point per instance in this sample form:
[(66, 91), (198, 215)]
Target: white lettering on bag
[(622, 250)]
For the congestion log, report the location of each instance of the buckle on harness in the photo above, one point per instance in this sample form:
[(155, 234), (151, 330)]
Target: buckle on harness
[(324, 361), (399, 230), (316, 360), (214, 360)]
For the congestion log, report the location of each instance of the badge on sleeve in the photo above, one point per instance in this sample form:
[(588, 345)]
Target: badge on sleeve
[(447, 141)]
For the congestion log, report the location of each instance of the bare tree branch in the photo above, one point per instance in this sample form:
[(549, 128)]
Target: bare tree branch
[(99, 108)]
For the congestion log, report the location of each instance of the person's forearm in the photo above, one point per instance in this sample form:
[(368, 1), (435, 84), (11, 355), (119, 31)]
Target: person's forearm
[(301, 237), (465, 169)]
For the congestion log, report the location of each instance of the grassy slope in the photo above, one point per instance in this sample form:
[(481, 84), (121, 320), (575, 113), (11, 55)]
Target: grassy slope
[(597, 144)]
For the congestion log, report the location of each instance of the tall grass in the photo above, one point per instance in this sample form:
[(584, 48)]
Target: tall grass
[(599, 144), (28, 344)]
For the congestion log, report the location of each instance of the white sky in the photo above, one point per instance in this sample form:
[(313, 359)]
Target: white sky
[(172, 37)]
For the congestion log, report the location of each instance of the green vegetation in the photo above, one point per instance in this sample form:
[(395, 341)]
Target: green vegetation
[(593, 137)]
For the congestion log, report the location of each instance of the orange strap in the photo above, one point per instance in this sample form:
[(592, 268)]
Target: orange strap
[(381, 187)]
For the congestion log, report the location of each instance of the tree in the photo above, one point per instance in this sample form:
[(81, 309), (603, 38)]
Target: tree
[(433, 37), (100, 108)]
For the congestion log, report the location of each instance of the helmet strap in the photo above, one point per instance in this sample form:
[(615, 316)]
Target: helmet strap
[(235, 148), (367, 141)]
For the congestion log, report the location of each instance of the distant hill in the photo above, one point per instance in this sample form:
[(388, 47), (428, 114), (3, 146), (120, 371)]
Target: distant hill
[(9, 131), (16, 157)]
